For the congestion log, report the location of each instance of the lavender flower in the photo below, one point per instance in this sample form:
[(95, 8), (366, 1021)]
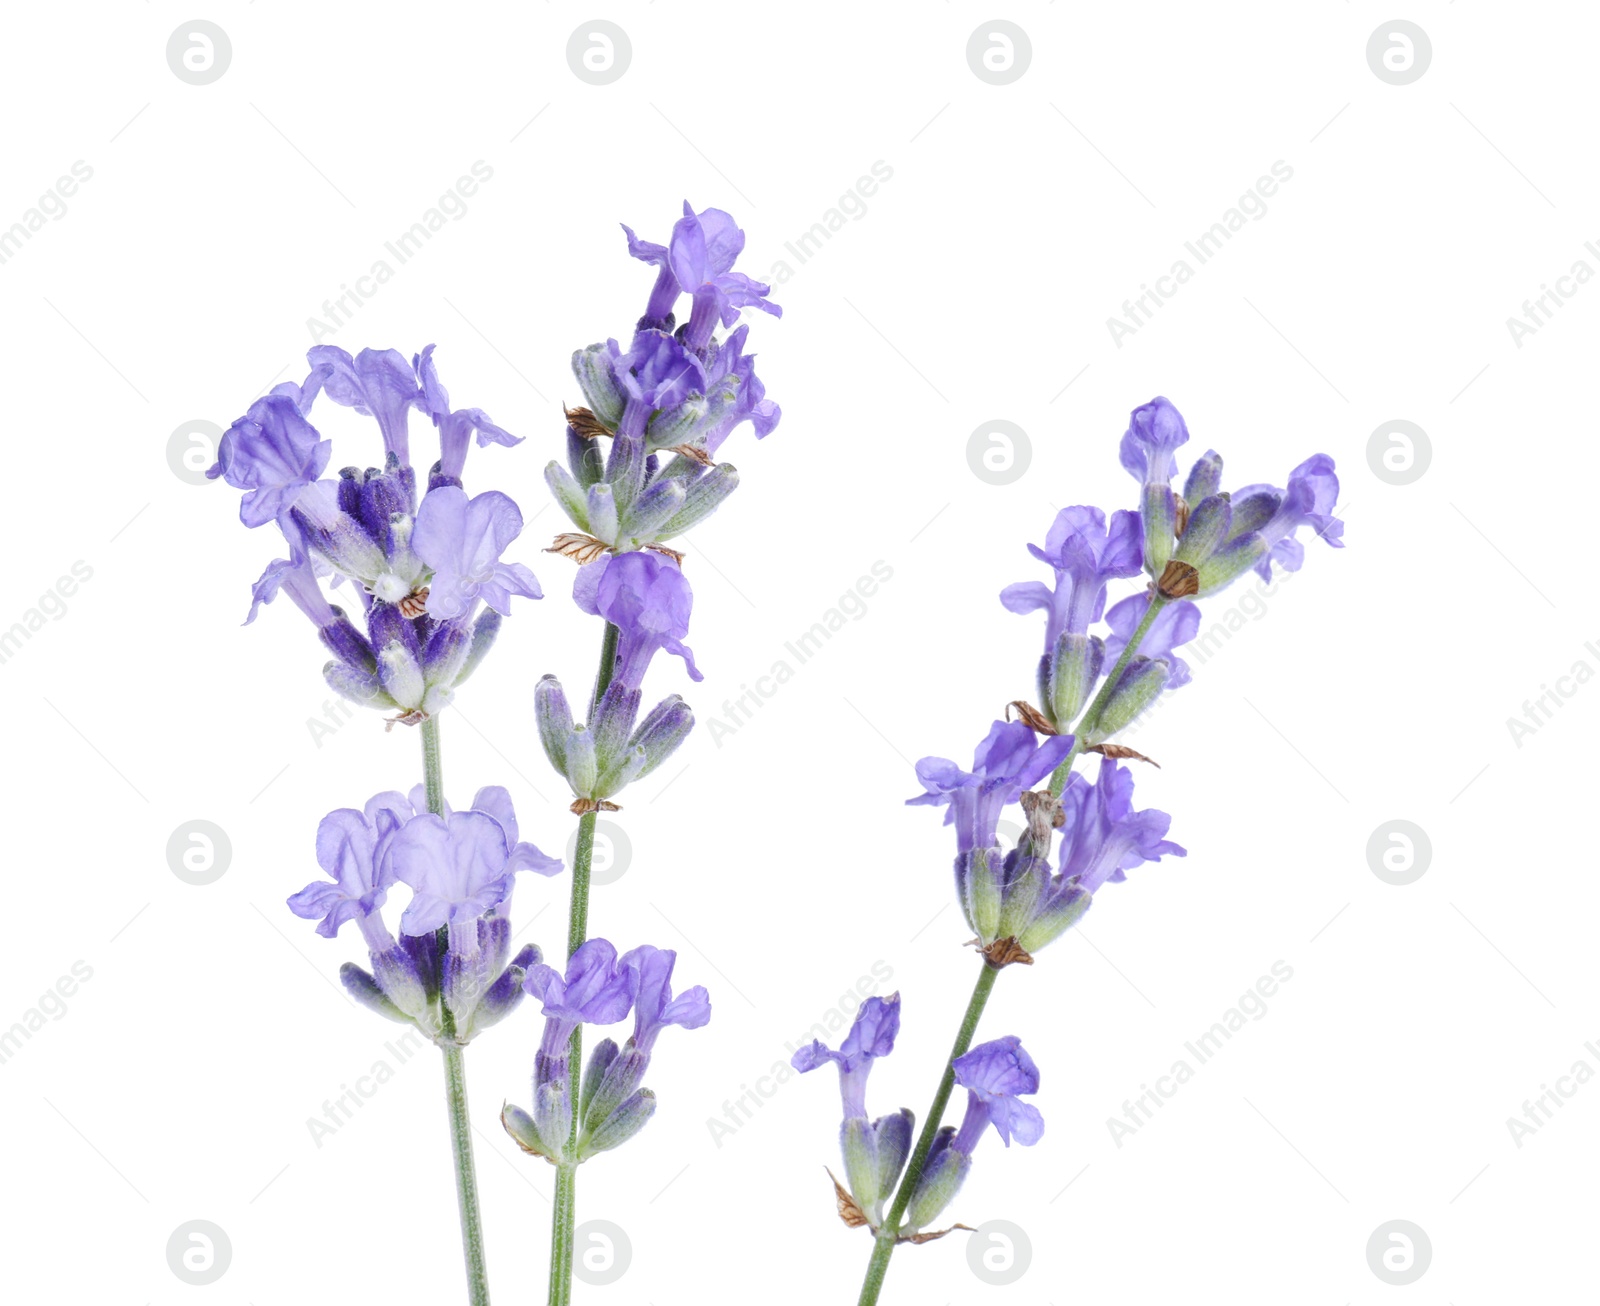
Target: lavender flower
[(655, 1007), (379, 383), (462, 539), (1155, 432), (459, 868), (681, 392), (994, 1074), (455, 426), (648, 599), (699, 261), (595, 990), (1009, 760), (1102, 838), (1085, 554), (875, 1151), (614, 1105), (272, 453), (1309, 500), (419, 572)]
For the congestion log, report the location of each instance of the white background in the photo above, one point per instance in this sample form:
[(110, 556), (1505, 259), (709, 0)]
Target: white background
[(976, 285)]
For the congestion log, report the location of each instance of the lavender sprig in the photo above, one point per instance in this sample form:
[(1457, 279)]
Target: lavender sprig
[(666, 404), (1020, 900), (430, 589)]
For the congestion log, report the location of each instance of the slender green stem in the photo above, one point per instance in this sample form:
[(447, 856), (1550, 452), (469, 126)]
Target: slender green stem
[(564, 1211), (455, 1083), (432, 767), (1058, 779), (884, 1242), (455, 1070)]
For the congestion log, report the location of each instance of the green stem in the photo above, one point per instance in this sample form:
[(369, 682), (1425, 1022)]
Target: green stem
[(883, 1249), (455, 1082), (565, 1208), (1058, 779), (455, 1070), (432, 767)]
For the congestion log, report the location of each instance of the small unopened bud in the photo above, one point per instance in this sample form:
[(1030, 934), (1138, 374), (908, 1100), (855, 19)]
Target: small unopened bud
[(592, 367), (623, 1123), (1142, 680)]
